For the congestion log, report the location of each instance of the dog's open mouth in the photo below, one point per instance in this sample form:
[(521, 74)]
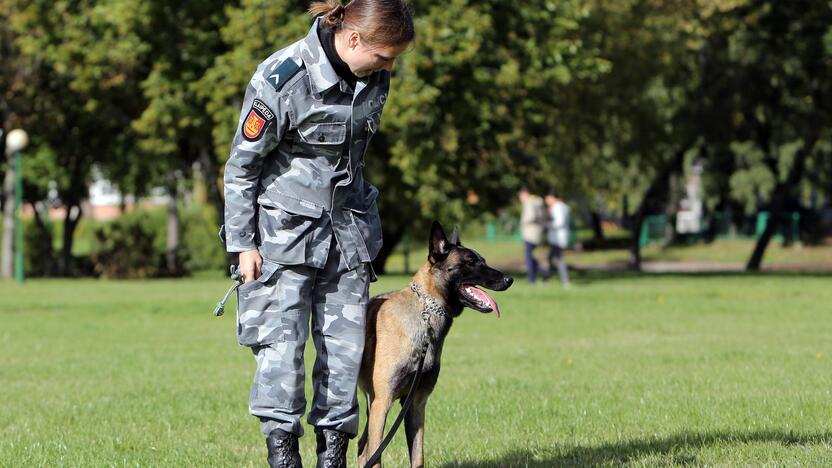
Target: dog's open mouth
[(478, 299)]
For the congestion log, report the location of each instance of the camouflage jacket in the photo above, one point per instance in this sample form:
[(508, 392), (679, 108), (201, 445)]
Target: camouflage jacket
[(294, 177)]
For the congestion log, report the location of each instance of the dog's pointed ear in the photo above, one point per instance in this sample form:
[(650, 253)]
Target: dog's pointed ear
[(455, 237), (439, 246)]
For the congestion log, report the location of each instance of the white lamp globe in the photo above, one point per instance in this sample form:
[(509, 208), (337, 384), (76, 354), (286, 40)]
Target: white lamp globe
[(16, 141)]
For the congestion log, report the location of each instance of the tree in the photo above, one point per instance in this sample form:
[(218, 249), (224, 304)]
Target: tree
[(12, 80), (174, 128), (632, 127), (82, 92), (774, 67)]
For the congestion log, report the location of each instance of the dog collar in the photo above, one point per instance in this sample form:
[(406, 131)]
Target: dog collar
[(430, 304)]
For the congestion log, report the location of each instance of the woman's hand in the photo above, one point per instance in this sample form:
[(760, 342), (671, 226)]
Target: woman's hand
[(250, 263)]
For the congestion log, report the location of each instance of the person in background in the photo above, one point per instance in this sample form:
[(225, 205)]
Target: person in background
[(532, 226), (557, 234)]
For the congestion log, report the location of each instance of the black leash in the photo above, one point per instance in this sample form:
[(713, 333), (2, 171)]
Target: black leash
[(405, 407), (426, 311), (408, 402)]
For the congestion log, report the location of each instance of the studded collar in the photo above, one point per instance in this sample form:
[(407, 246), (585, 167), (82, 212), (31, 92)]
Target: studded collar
[(430, 306)]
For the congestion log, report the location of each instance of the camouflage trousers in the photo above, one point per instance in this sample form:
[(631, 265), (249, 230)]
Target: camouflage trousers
[(274, 314)]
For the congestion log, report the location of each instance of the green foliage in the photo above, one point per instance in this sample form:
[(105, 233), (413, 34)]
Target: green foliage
[(772, 89), (254, 29), (593, 97), (200, 244), (174, 128), (473, 103), (752, 180), (33, 240), (132, 246), (87, 57)]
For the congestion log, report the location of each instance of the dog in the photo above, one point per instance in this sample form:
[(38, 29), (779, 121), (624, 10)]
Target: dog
[(396, 329)]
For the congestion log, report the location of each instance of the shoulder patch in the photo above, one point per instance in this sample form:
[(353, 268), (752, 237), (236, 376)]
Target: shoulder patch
[(281, 74), (259, 117)]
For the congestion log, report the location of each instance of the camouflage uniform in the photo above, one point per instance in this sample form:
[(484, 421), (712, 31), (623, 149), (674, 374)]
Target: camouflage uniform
[(294, 189)]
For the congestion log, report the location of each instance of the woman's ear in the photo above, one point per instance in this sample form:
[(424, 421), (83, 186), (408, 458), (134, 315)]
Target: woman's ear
[(353, 39)]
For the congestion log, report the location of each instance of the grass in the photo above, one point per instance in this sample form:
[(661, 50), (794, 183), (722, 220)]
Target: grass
[(620, 370)]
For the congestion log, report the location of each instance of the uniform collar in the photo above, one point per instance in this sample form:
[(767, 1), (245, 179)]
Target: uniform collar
[(321, 74)]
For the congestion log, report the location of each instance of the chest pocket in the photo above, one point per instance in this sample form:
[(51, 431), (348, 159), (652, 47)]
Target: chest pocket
[(321, 140), (324, 134)]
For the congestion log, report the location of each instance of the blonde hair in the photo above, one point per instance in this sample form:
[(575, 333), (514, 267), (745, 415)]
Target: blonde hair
[(379, 22)]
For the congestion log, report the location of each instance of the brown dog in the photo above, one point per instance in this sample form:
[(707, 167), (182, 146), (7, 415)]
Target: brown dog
[(443, 286)]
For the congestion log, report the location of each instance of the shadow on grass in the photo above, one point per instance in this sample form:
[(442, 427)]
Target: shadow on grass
[(677, 449)]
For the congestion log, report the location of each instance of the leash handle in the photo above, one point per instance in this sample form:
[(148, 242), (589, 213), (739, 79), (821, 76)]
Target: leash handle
[(235, 275), (405, 408)]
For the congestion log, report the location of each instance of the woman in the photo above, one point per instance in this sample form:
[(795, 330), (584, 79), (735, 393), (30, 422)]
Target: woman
[(557, 235), (305, 222)]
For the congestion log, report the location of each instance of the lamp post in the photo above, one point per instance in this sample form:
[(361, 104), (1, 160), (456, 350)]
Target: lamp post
[(16, 142)]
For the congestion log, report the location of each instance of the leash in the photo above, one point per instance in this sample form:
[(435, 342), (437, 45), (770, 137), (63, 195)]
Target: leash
[(235, 275), (429, 306), (408, 402)]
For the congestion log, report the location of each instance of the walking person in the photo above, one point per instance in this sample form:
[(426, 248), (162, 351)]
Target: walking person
[(557, 235), (305, 221), (532, 225)]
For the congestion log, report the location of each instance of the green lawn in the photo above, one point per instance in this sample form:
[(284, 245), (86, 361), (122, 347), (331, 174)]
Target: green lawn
[(636, 370)]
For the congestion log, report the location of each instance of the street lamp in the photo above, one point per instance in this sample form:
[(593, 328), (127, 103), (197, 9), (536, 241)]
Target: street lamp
[(16, 141)]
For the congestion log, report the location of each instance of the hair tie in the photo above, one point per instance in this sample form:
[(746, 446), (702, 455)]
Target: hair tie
[(336, 15)]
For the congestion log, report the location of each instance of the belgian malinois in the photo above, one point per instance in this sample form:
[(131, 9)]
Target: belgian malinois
[(397, 324)]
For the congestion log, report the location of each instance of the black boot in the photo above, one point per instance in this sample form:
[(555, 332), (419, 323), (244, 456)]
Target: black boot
[(283, 450), (332, 448)]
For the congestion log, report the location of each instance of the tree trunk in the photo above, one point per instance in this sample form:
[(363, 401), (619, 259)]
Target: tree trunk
[(657, 186), (70, 223), (209, 169), (635, 241), (47, 253), (209, 173), (215, 197), (779, 198), (172, 242), (8, 222), (597, 227), (392, 237)]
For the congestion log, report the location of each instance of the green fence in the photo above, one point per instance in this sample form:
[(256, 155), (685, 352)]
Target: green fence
[(653, 229), (789, 231)]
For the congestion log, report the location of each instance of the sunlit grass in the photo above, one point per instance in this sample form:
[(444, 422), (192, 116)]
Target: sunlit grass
[(645, 371)]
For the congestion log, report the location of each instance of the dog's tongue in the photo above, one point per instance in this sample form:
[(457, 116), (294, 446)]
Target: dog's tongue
[(485, 297)]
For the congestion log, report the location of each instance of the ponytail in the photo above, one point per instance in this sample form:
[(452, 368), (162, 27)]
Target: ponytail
[(333, 12)]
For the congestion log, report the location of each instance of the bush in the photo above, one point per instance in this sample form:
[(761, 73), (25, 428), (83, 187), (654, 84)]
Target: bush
[(201, 248), (131, 246)]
